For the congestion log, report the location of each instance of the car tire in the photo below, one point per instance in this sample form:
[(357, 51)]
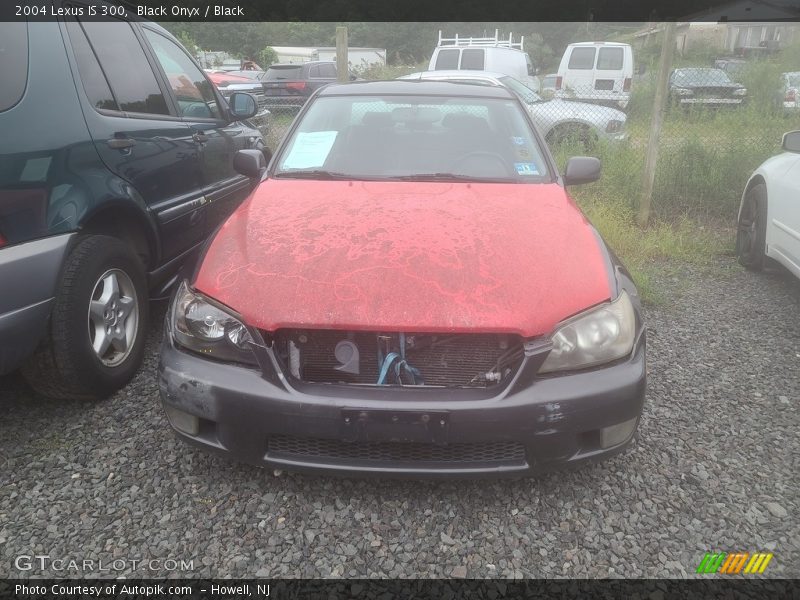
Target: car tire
[(582, 135), (98, 325), (751, 233)]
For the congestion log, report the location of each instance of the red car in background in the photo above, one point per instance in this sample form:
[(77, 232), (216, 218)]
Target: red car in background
[(409, 290)]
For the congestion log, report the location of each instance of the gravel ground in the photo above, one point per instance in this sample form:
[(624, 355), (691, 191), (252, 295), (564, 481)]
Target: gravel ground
[(715, 469)]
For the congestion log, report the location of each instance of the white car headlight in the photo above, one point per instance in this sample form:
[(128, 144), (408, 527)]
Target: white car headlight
[(740, 92), (598, 336), (200, 326), (684, 92)]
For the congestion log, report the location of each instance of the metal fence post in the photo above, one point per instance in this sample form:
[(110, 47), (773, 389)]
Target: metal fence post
[(659, 106), (342, 65)]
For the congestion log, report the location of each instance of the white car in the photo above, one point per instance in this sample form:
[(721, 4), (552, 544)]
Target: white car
[(769, 215), (557, 120)]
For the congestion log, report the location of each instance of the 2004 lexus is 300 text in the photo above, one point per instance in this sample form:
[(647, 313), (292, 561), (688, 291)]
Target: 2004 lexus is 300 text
[(409, 290)]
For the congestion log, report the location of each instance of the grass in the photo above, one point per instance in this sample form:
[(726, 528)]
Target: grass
[(651, 252)]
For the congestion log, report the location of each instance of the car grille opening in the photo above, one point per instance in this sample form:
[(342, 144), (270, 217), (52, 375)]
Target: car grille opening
[(438, 360), (397, 453)]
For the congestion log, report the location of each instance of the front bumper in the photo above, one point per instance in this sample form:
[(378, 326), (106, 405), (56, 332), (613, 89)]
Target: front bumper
[(28, 276), (533, 425), (712, 101)]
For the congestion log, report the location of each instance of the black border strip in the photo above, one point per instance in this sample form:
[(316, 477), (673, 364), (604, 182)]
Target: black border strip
[(732, 588), (444, 11)]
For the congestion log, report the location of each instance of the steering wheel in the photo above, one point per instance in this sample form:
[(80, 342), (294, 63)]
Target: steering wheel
[(477, 154)]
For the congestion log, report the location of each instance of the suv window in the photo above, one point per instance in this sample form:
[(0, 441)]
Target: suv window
[(581, 58), (92, 78), (284, 72), (472, 59), (447, 59), (13, 62), (313, 71), (609, 59), (328, 71), (126, 68), (192, 90)]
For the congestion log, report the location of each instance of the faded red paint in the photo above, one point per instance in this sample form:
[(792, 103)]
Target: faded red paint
[(406, 256)]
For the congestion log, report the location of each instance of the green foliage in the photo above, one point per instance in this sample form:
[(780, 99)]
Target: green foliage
[(267, 57)]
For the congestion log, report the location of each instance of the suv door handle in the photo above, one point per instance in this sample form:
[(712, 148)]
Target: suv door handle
[(121, 143), (200, 138)]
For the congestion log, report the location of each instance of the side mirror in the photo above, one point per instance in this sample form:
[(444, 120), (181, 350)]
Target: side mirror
[(582, 169), (242, 106), (250, 163), (791, 141)]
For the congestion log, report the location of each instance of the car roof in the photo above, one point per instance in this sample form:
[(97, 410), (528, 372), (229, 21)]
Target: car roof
[(415, 87), (460, 73), (621, 44), (300, 64)]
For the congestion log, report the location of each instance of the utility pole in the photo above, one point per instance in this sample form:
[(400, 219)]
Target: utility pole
[(342, 66), (656, 120)]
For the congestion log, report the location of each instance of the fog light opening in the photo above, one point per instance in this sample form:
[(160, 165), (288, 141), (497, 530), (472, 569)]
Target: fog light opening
[(182, 421), (617, 434)]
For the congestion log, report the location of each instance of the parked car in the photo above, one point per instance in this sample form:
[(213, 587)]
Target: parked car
[(557, 120), (769, 214), (485, 54), (697, 86), (290, 85), (732, 66), (228, 82), (410, 290), (549, 85), (105, 194), (790, 90), (597, 72)]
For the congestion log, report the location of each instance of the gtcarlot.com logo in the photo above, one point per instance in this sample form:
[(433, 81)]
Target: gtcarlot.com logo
[(733, 563), (44, 562)]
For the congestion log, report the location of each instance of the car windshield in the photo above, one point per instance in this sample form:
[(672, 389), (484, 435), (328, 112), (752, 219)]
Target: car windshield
[(284, 72), (526, 94), (700, 77), (793, 79), (404, 137)]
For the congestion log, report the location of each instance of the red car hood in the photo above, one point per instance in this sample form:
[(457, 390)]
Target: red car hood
[(406, 256)]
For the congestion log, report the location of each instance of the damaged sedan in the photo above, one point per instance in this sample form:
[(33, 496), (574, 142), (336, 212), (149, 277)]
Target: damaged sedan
[(410, 290)]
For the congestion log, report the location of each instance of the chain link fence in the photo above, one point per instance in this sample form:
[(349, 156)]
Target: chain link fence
[(722, 119)]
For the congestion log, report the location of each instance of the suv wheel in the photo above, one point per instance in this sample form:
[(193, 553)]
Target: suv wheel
[(752, 230), (98, 324)]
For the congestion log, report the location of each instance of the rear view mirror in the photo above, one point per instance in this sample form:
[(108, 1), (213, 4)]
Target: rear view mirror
[(791, 141), (242, 105), (582, 169), (250, 163)]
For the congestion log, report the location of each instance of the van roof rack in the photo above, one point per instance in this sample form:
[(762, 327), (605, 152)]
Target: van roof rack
[(494, 42)]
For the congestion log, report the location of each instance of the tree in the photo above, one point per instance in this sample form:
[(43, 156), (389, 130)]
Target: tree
[(267, 57)]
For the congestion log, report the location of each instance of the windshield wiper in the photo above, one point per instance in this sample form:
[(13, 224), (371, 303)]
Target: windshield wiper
[(452, 177), (314, 174)]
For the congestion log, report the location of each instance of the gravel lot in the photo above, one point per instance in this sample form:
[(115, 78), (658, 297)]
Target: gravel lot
[(715, 469)]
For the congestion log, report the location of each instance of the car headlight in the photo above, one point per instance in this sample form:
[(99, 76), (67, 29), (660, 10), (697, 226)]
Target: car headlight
[(201, 327), (683, 92), (740, 92), (598, 336), (614, 126)]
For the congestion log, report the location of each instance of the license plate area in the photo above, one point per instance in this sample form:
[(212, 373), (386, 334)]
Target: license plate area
[(394, 426)]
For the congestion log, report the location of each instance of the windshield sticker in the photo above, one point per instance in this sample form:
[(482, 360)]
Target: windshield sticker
[(526, 169), (310, 150), (519, 141), (523, 152)]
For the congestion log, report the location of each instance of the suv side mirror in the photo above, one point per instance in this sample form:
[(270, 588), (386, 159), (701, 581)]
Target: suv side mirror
[(242, 106), (791, 141), (582, 169), (250, 163)]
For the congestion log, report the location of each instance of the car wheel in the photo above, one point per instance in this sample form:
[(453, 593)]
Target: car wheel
[(572, 134), (751, 233), (98, 324)]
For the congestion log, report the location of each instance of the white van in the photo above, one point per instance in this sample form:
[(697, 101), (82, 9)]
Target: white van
[(599, 72), (485, 54)]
